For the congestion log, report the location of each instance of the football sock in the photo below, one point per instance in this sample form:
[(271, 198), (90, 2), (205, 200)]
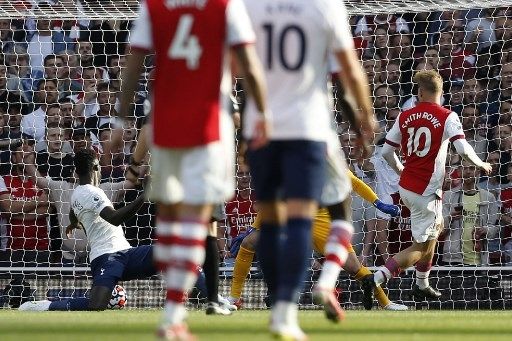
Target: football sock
[(179, 251), (293, 259), (211, 269), (285, 312), (241, 269), (380, 295), (268, 246), (335, 253), (389, 270), (72, 304), (422, 273)]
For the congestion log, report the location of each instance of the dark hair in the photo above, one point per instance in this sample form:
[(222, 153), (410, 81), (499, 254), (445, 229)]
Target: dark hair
[(66, 100), (44, 81), (49, 57), (84, 161), (103, 86), (13, 101)]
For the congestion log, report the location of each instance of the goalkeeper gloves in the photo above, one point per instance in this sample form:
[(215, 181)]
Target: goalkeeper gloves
[(392, 210)]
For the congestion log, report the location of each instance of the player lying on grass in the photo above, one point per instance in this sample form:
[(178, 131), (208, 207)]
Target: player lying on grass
[(320, 234), (112, 258)]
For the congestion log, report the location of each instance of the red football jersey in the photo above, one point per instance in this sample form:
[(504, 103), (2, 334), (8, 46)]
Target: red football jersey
[(25, 234), (240, 214), (423, 133), (192, 82)]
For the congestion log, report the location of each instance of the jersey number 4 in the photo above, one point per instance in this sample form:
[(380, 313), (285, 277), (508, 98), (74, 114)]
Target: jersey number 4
[(413, 142), (184, 45)]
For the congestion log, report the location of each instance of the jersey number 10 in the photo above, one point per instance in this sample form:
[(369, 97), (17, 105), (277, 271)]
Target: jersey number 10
[(413, 142), (282, 36), (185, 45)]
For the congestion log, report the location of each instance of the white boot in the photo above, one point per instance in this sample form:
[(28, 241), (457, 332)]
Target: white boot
[(396, 307), (35, 306)]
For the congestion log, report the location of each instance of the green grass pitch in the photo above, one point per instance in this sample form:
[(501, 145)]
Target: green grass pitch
[(251, 325)]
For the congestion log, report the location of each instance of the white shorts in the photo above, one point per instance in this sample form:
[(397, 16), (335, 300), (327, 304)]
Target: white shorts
[(199, 175), (426, 215), (337, 182)]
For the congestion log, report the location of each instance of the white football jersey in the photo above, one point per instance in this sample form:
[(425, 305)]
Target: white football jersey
[(87, 203), (293, 41)]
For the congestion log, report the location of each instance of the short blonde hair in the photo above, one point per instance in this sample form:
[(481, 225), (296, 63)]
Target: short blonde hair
[(429, 80)]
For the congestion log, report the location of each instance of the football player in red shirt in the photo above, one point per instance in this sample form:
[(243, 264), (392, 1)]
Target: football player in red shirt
[(423, 134), (192, 151)]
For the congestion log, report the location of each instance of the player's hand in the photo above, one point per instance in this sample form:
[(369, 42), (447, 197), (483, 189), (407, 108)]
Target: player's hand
[(392, 210), (261, 133), (70, 228), (486, 167)]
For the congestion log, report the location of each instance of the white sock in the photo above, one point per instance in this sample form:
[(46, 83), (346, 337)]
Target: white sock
[(174, 313), (381, 276), (329, 275), (422, 279), (285, 313)]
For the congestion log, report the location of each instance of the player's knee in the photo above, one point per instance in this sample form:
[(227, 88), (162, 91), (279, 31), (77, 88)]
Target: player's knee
[(352, 264), (250, 241)]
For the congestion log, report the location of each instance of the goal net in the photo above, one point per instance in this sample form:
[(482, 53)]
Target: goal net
[(60, 68)]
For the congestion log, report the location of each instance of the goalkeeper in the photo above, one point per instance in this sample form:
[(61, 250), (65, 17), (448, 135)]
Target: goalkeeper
[(244, 247)]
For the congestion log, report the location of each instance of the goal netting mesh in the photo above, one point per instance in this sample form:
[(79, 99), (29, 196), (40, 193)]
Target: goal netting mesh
[(60, 69)]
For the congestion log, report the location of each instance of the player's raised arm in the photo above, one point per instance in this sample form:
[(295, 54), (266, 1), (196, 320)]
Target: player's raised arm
[(117, 217), (462, 146)]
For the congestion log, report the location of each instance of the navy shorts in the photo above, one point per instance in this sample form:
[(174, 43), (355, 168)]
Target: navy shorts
[(134, 263), (289, 169)]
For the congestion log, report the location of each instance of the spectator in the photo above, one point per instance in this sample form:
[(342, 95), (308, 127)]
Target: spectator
[(431, 57), (456, 96), (11, 110), (404, 51), (72, 69), (475, 129), (480, 32), (475, 93), (456, 63), (367, 24), (84, 51), (53, 162), (504, 91), (21, 77), (6, 41), (66, 116), (3, 78), (385, 100), (129, 137), (45, 41), (505, 113), (493, 181), (382, 43), (80, 139), (391, 77), (106, 113), (373, 69), (87, 104), (24, 207), (470, 217), (34, 123), (111, 153)]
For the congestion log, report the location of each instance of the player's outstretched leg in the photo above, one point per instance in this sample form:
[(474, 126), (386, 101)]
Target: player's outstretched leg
[(211, 272), (336, 252), (243, 262), (358, 271)]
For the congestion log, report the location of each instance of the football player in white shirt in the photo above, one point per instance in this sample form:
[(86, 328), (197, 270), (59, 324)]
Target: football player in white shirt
[(111, 256), (294, 39)]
